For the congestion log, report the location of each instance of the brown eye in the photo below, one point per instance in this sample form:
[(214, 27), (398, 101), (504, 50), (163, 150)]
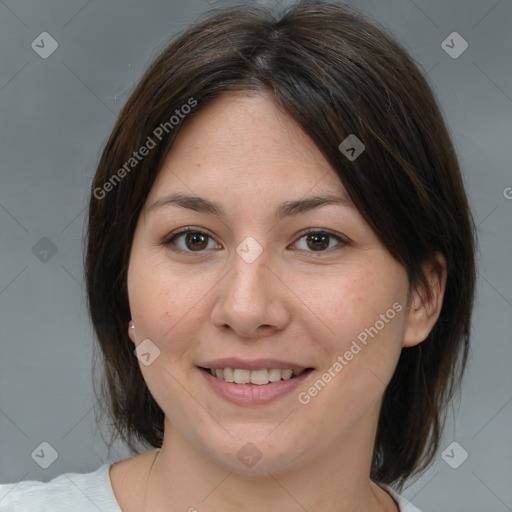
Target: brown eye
[(320, 241), (189, 240), (196, 241)]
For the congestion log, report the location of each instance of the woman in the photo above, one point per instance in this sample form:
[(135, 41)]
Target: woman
[(280, 273)]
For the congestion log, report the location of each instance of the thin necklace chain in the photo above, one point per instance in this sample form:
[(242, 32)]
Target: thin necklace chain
[(147, 481)]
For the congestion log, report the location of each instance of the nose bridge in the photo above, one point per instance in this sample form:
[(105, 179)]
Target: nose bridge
[(247, 298), (249, 270)]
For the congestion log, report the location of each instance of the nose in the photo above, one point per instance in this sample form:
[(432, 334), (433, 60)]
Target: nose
[(251, 300)]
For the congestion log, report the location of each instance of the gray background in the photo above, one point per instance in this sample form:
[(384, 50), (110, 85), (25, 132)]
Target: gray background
[(55, 115)]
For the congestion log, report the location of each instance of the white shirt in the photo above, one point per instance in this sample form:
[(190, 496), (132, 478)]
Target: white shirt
[(86, 492)]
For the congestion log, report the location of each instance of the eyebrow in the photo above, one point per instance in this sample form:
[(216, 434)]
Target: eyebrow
[(289, 208)]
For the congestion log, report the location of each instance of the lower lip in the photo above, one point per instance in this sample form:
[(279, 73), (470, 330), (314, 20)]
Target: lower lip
[(253, 394)]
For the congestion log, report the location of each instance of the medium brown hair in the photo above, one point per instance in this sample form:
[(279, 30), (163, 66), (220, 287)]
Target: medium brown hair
[(335, 73)]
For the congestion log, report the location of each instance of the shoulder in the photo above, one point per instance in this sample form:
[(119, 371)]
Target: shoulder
[(84, 491), (404, 504)]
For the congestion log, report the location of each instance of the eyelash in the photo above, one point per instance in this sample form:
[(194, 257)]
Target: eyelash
[(169, 240)]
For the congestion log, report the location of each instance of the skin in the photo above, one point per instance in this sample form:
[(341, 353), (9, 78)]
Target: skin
[(298, 301)]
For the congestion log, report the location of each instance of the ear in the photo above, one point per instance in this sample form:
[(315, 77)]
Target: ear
[(131, 331), (425, 306)]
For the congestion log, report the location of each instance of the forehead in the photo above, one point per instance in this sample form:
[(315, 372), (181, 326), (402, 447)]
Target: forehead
[(244, 142)]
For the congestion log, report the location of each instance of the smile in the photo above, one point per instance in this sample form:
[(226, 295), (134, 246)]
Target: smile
[(258, 377), (252, 387)]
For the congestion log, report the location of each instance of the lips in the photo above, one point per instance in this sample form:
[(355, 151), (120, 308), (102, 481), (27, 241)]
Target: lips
[(255, 381), (255, 364), (251, 393), (258, 372), (259, 377)]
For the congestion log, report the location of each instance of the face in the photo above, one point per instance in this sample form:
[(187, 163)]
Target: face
[(261, 284)]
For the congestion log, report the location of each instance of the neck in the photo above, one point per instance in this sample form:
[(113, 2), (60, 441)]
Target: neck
[(333, 481)]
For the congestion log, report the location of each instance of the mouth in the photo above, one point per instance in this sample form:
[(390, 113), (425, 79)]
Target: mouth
[(254, 383), (256, 377)]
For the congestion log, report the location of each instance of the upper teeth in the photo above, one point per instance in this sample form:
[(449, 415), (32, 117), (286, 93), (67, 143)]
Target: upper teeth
[(255, 376)]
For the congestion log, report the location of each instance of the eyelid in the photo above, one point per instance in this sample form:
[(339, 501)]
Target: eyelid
[(167, 241), (324, 231), (343, 241), (191, 229)]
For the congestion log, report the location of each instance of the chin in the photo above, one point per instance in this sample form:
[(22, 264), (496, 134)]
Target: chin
[(256, 455)]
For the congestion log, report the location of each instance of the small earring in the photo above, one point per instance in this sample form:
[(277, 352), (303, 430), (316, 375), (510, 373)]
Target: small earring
[(130, 325)]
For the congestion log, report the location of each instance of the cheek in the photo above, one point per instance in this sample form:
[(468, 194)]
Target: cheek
[(358, 315), (157, 298), (168, 303), (352, 299), (162, 307)]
